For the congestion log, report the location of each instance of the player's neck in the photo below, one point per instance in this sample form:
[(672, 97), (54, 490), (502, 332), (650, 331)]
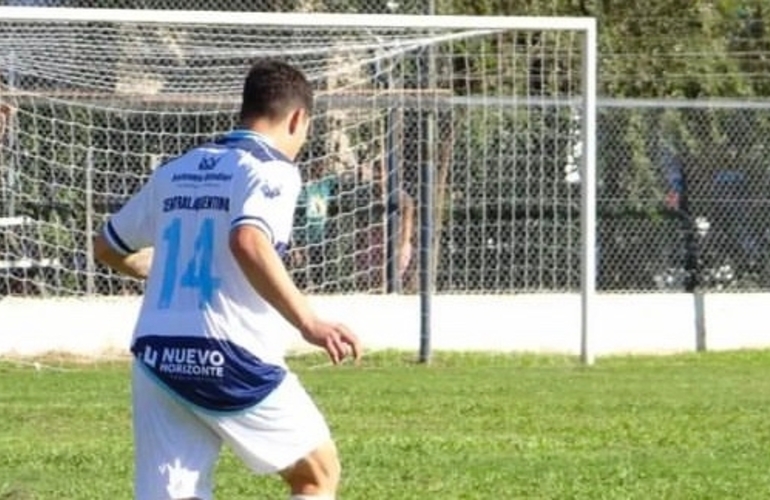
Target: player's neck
[(268, 133), (261, 134)]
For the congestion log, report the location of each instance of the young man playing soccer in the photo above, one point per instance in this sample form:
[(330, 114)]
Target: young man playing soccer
[(209, 358)]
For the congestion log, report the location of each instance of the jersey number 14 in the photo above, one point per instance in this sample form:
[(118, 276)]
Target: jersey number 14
[(197, 270)]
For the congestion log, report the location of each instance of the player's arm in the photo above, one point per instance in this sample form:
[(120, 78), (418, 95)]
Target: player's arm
[(254, 251), (263, 223), (135, 265), (123, 244)]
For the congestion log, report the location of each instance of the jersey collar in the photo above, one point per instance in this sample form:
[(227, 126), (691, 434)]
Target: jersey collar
[(242, 133), (255, 144)]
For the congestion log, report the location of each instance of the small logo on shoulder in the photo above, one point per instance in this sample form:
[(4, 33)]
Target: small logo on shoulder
[(270, 192)]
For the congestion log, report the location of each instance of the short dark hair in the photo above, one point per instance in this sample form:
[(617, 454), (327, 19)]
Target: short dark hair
[(272, 89)]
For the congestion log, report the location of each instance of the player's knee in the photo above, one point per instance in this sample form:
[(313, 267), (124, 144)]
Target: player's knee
[(316, 474)]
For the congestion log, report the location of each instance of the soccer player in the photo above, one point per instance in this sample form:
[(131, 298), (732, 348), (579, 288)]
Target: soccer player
[(208, 349)]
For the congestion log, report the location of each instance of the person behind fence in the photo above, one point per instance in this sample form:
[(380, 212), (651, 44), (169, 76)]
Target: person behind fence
[(371, 239), (208, 344), (311, 230)]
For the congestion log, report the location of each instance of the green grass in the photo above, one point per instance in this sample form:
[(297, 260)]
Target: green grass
[(467, 427)]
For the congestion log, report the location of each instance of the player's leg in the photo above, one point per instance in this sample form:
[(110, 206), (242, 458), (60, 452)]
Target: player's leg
[(285, 434), (174, 451), (316, 475)]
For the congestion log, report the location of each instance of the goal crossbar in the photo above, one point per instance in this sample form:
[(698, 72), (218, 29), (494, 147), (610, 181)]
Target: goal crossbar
[(297, 19)]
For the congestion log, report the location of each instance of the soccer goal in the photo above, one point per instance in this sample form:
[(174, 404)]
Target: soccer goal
[(449, 191)]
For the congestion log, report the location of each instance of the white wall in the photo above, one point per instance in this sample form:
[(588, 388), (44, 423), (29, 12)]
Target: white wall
[(655, 323)]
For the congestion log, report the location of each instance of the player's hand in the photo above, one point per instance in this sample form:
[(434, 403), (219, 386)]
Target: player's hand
[(337, 339)]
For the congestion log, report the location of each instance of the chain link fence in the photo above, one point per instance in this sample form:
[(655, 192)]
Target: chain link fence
[(682, 203), (683, 196)]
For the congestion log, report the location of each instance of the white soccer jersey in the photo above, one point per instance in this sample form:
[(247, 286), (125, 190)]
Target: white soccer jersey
[(202, 329)]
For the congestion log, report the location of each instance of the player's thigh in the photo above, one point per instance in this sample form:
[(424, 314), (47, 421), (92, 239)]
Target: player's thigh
[(174, 450), (281, 430)]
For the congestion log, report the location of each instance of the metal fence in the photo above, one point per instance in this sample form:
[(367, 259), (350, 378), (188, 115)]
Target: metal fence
[(682, 203), (683, 196)]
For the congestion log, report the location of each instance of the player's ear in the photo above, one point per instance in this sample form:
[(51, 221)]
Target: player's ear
[(298, 121)]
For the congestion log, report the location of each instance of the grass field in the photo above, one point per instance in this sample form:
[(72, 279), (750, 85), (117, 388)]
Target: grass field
[(467, 427)]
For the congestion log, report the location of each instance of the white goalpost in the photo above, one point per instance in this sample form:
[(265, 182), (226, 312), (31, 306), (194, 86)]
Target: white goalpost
[(450, 191)]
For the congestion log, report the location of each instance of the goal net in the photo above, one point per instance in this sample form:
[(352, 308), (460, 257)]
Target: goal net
[(489, 114)]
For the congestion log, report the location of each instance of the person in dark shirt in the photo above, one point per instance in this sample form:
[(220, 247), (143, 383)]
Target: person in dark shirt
[(371, 231)]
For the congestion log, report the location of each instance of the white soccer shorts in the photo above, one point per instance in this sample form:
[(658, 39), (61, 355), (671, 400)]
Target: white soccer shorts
[(177, 445)]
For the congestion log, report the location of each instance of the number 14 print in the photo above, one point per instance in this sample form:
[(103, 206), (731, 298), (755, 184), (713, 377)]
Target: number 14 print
[(197, 270)]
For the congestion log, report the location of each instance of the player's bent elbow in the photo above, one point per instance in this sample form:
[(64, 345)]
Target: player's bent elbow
[(103, 252)]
